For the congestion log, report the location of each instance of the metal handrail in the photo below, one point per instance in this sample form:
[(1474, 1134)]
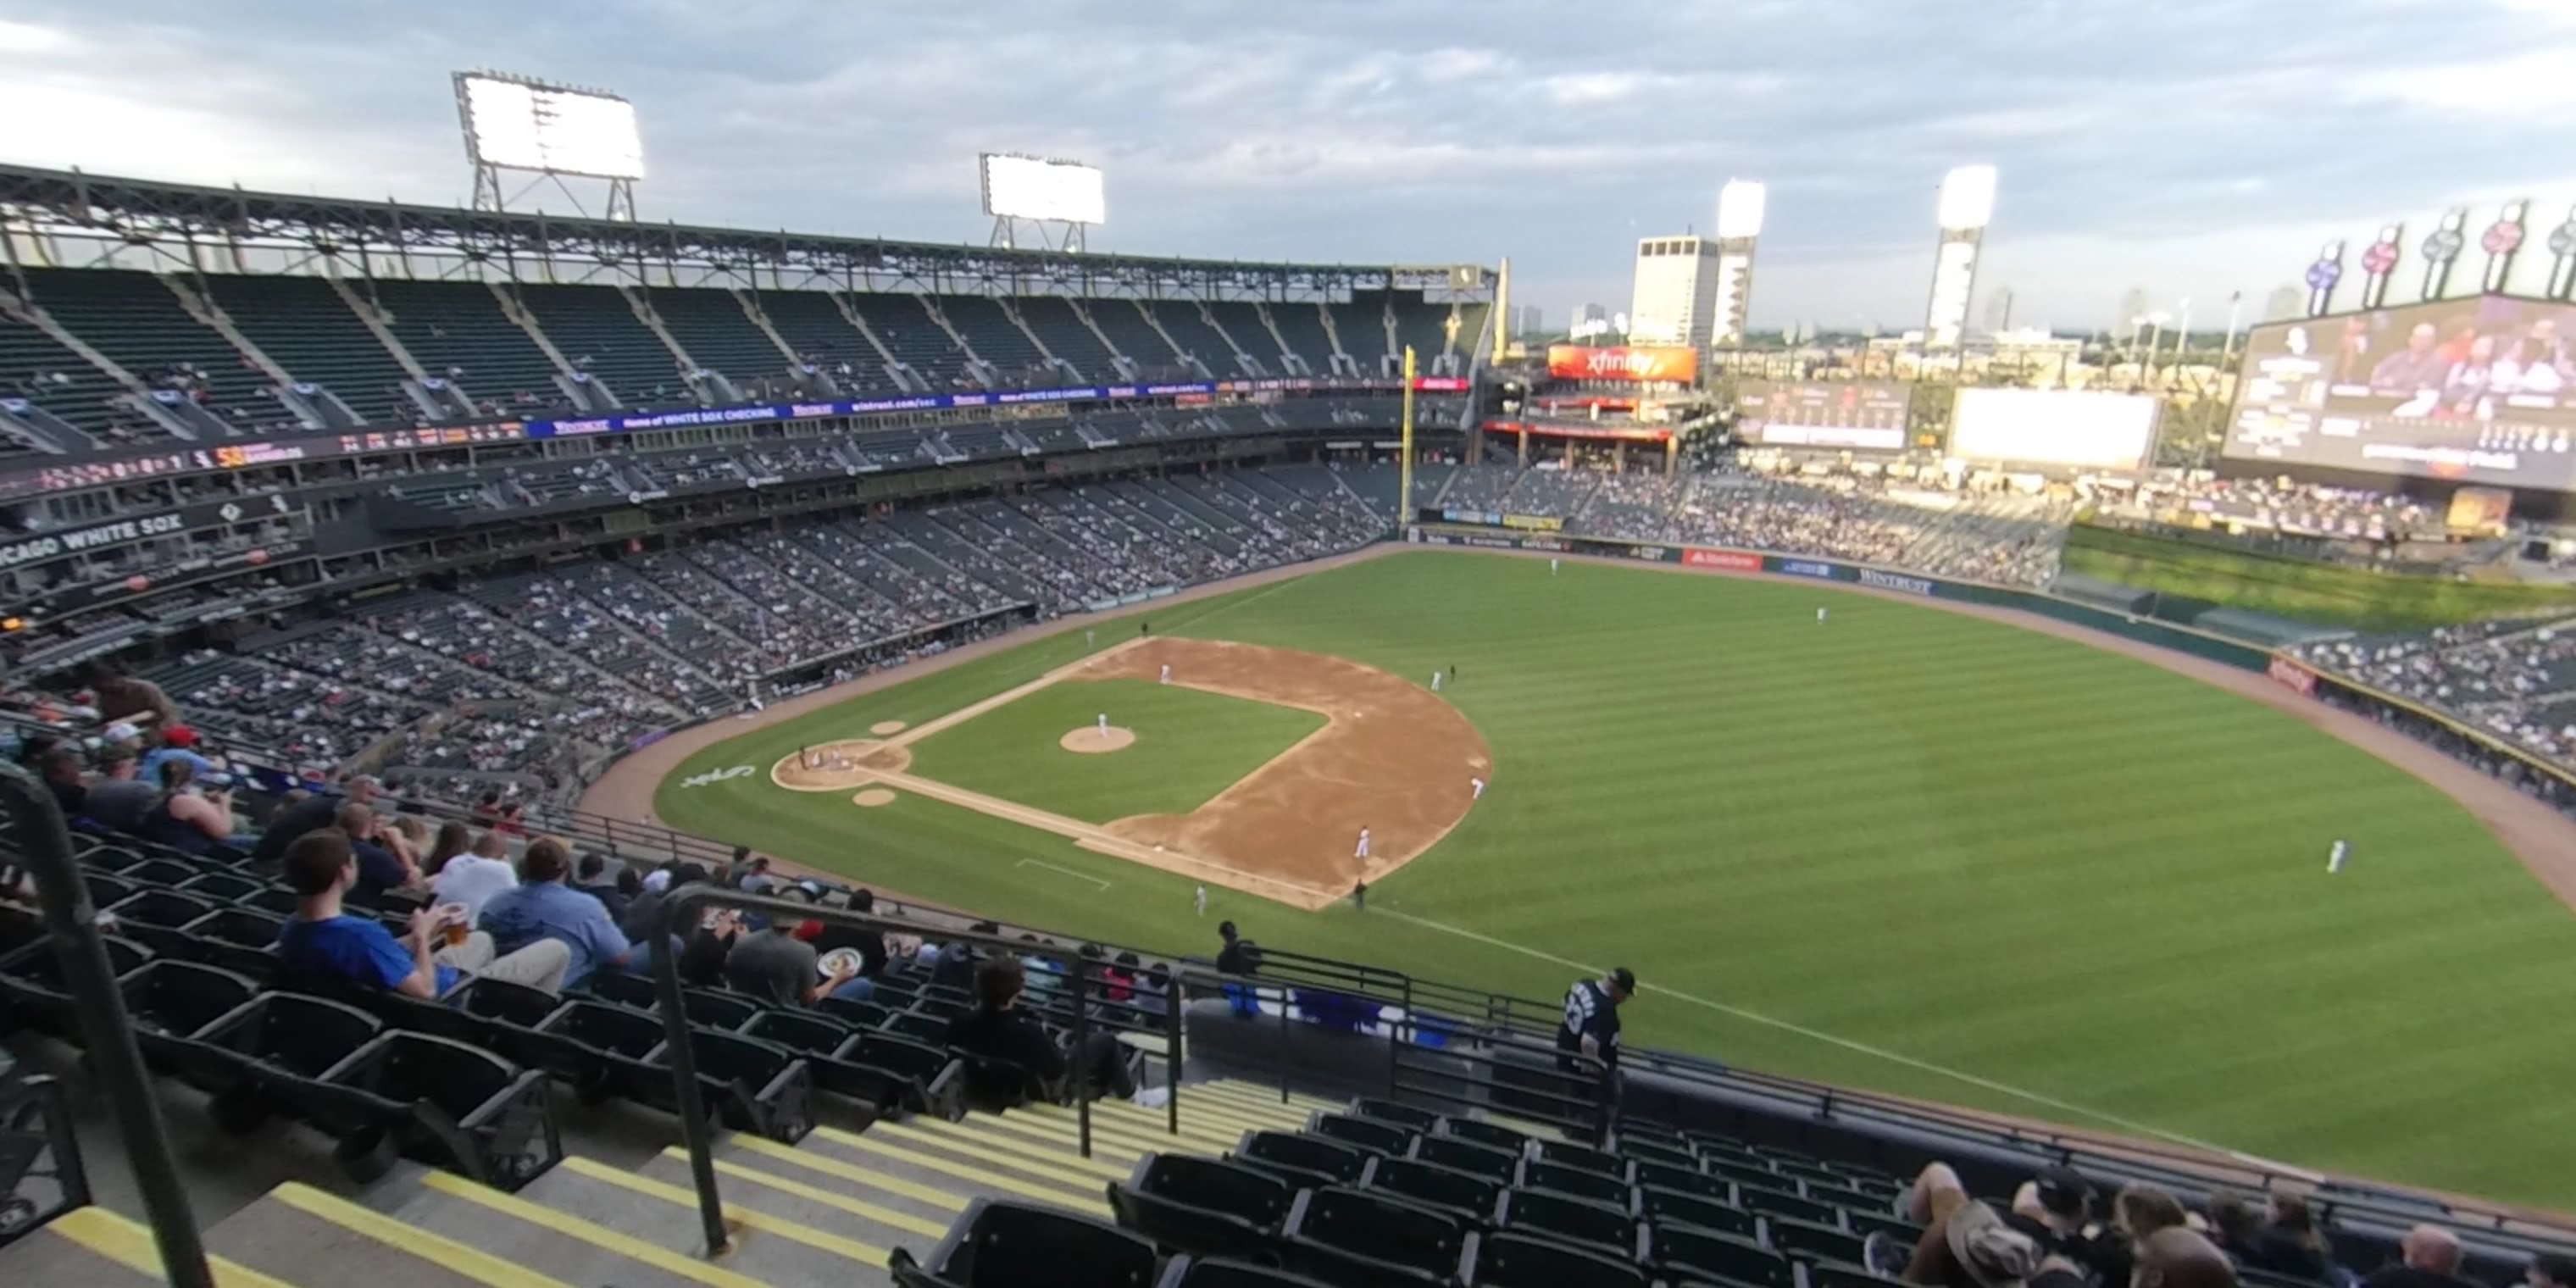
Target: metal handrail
[(688, 905), (107, 1034), (71, 1178)]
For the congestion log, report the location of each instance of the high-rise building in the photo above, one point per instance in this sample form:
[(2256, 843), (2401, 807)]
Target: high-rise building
[(1530, 320), (1590, 320), (1675, 300)]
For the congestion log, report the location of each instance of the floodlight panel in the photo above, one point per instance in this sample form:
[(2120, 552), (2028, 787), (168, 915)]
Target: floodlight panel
[(1968, 197), (1739, 209), (524, 125), (1017, 187)]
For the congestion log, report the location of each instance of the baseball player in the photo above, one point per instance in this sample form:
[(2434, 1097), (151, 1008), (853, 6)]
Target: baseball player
[(2335, 857), (1820, 617), (1104, 726), (1167, 673), (1478, 786), (1435, 682), (1088, 635), (1202, 901), (1551, 566), (1363, 851)]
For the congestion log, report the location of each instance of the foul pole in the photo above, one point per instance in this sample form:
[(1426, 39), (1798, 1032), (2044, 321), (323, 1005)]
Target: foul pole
[(1404, 493)]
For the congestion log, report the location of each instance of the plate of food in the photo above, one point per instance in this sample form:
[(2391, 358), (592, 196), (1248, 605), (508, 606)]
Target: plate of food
[(839, 961)]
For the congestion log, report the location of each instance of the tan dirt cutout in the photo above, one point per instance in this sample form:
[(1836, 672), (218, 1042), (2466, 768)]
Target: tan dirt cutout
[(838, 766), (886, 728), (872, 798), (1091, 741)]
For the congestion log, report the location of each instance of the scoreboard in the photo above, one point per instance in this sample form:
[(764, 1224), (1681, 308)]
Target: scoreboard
[(1854, 415)]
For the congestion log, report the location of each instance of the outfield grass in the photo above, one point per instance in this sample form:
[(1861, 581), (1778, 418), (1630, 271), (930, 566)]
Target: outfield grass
[(1189, 746), (2324, 594), (1965, 861)]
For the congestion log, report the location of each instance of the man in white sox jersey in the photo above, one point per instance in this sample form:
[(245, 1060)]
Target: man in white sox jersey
[(1587, 1044)]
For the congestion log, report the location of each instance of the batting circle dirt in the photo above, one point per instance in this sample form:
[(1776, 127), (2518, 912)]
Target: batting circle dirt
[(873, 798), (838, 766), (883, 728), (1091, 740)]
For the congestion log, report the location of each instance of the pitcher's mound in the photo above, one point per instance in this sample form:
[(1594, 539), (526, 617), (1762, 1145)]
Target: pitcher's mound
[(883, 727), (872, 798), (1089, 740)]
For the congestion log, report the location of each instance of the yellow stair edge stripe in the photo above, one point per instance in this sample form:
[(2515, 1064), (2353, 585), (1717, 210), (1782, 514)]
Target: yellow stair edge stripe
[(856, 1175), (1117, 1138), (744, 1218), (596, 1235), (1239, 1108), (1085, 1202), (1248, 1087), (130, 1244), (1047, 1142), (1203, 1109), (1090, 1196), (884, 1142), (1252, 1097), (904, 1221), (1215, 1125), (437, 1249), (1006, 1150)]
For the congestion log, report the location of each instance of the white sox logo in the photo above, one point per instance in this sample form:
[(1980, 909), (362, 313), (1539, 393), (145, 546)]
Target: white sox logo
[(716, 776)]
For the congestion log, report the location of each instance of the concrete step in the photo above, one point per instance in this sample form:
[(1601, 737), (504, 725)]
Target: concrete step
[(764, 1244), (1118, 1141), (1259, 1098), (302, 1235), (556, 1244), (802, 1195), (92, 1247), (960, 1175)]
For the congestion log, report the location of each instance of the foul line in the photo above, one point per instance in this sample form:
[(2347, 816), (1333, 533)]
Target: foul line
[(1040, 863), (1862, 1048)]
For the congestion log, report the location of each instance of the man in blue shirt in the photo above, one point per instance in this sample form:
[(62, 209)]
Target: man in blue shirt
[(543, 908), (322, 940)]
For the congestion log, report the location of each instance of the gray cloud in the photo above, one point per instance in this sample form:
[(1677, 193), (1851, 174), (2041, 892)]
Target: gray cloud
[(2194, 147)]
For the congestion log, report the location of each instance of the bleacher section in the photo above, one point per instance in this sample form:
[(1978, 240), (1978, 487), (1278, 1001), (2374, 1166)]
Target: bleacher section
[(1302, 326), (1241, 321), (912, 336), (1361, 322), (134, 320), (303, 326), (456, 330), (812, 324), (1124, 322), (996, 339), (710, 326), (1054, 321), (1180, 319), (596, 330), (34, 366), (1424, 327)]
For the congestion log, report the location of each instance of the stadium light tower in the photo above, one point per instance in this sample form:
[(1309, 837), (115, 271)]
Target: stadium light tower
[(551, 131), (1739, 224), (1067, 197), (1967, 206)]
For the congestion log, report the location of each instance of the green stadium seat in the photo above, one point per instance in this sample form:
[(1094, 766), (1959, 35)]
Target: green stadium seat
[(276, 899), (1202, 1206), (1402, 1115), (1842, 1195), (167, 1002), (1814, 1241), (917, 1027), (1663, 1206), (154, 916), (1745, 1171), (1684, 1252), (1516, 1261), (757, 1086), (1463, 1194), (809, 1032), (1878, 1220), (1666, 1155), (238, 939), (1599, 1227), (1382, 1138), (858, 1015), (32, 991), (1835, 1274), (261, 1057), (624, 988), (1575, 1181), (599, 1047), (441, 1102), (995, 1244), (1780, 1203), (1357, 1237), (222, 887), (502, 1003), (1559, 1154), (1190, 1272), (105, 889), (1478, 1160), (1686, 1180), (1484, 1133), (170, 873), (717, 1008), (901, 1076), (1302, 1160)]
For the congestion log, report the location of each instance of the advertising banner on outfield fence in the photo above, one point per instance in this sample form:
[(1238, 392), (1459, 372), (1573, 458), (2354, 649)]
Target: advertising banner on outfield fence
[(1895, 581), (2294, 675), (1533, 522), (1673, 362), (1730, 560), (1806, 568)]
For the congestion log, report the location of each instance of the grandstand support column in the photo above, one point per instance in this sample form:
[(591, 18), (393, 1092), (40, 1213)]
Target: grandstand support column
[(1127, 369), (760, 318), (1523, 458), (904, 377), (1404, 489), (1340, 360), (1386, 318), (1672, 457), (215, 320), (983, 371), (1289, 359), (377, 321), (1502, 328), (1012, 311), (653, 322)]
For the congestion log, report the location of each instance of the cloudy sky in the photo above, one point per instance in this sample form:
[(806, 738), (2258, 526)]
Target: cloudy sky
[(2188, 147)]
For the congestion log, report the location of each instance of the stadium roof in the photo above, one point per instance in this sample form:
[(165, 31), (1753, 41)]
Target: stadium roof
[(129, 212)]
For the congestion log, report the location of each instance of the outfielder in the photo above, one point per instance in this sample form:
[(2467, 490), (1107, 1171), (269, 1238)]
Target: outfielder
[(1202, 901), (1820, 617), (1363, 851), (1551, 566), (2335, 857), (1435, 682), (1167, 673)]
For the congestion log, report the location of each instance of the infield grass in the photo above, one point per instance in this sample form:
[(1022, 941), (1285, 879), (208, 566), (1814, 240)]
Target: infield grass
[(1189, 746), (1904, 849)]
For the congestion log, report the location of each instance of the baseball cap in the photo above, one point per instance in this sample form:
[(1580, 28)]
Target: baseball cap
[(180, 736), (1625, 978), (122, 732), (1993, 1253), (2064, 1191)]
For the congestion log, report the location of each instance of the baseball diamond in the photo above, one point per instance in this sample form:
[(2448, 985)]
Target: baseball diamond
[(1957, 854)]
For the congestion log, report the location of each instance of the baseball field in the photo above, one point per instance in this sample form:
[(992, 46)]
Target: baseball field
[(1903, 848)]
